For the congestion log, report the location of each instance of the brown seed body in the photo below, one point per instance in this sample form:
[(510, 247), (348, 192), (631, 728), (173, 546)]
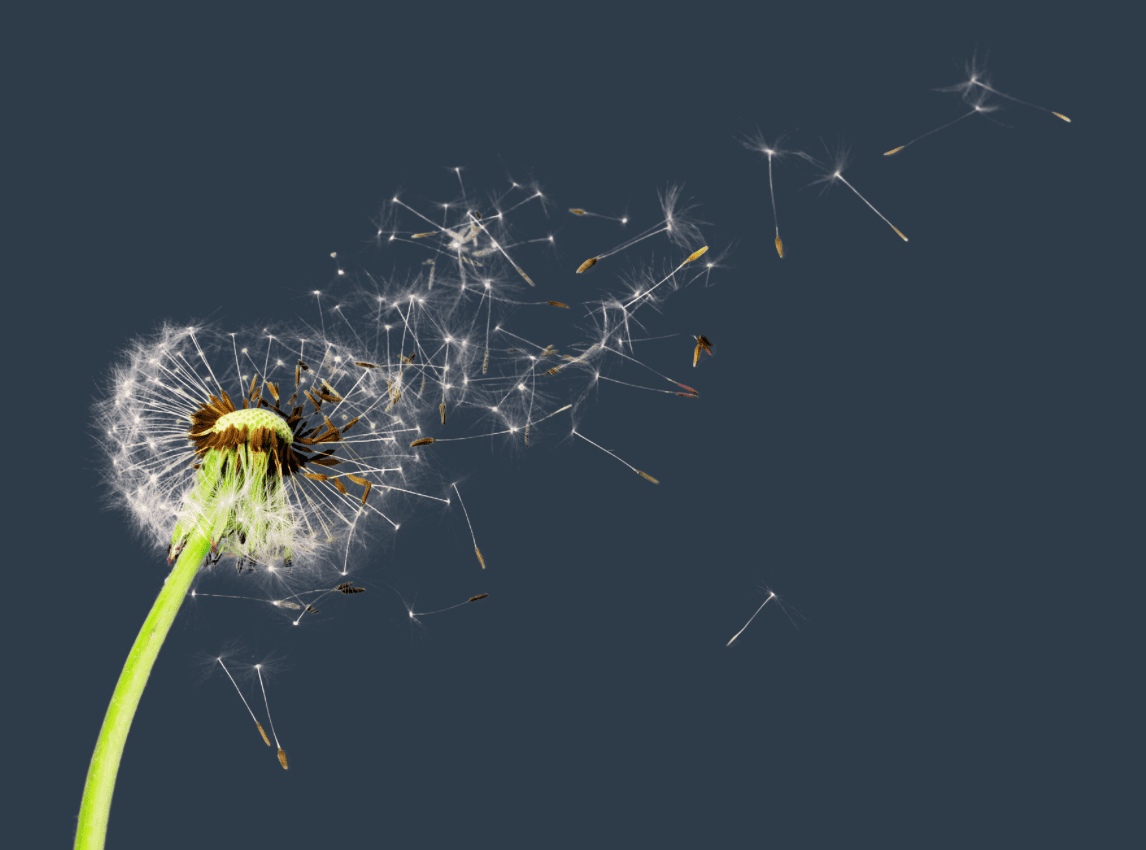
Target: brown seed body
[(779, 247), (557, 304), (479, 596), (283, 759), (264, 734), (424, 441), (481, 560), (895, 150), (648, 477), (588, 264)]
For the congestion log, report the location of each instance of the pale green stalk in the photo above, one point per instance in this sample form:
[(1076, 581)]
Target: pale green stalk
[(96, 806)]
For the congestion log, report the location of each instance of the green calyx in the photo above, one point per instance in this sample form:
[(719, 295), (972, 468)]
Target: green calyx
[(238, 500)]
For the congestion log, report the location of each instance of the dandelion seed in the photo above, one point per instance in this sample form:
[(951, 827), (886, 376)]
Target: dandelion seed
[(424, 441), (477, 551), (442, 411), (421, 235), (244, 699), (644, 475), (415, 614), (836, 172), (978, 107), (771, 596), (978, 76), (677, 225), (576, 211), (282, 755), (588, 264), (348, 587), (365, 365), (696, 254), (702, 344), (557, 304), (774, 151)]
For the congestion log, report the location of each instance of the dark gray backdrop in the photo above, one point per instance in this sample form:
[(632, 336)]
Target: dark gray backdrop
[(922, 447)]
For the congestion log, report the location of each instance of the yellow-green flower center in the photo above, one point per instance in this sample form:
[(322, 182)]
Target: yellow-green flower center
[(255, 419)]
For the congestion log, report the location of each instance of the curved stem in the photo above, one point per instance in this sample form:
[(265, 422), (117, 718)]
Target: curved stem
[(91, 830)]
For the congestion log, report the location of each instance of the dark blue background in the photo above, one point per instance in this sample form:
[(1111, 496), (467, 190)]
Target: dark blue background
[(923, 447)]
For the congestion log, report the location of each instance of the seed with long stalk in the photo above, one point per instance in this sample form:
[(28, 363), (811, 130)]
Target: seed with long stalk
[(773, 151), (282, 754), (979, 107), (978, 79), (244, 699), (836, 172), (643, 475), (477, 551), (771, 596)]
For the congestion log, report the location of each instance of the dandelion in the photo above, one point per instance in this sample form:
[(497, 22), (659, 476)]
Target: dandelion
[(225, 445), (282, 449)]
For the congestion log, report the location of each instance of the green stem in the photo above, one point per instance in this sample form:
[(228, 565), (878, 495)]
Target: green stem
[(96, 806)]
